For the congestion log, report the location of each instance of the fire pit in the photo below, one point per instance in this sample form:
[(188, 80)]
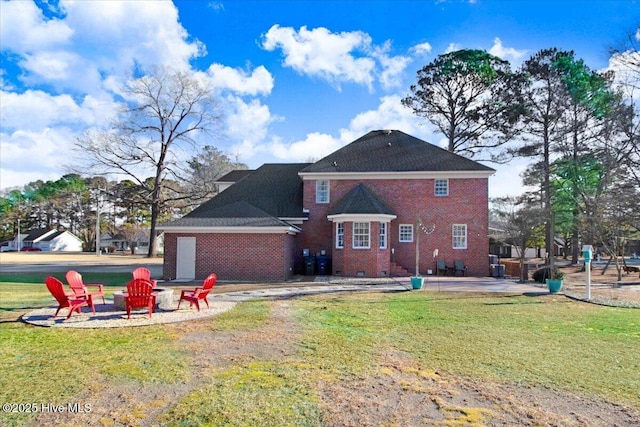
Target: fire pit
[(164, 299)]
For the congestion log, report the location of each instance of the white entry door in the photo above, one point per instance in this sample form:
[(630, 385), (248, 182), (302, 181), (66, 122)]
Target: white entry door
[(186, 258)]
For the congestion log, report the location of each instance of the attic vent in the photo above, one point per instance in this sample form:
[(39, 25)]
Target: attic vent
[(388, 131), (335, 164)]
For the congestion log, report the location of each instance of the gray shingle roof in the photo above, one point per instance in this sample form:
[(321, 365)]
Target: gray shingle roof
[(270, 192), (238, 214), (393, 151), (235, 175), (360, 200)]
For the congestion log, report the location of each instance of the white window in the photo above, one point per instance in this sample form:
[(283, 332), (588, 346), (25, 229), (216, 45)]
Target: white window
[(406, 233), (383, 235), (361, 235), (340, 235), (322, 191), (459, 233), (441, 187)]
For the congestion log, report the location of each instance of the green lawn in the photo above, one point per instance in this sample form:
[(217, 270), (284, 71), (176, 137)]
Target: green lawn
[(545, 340)]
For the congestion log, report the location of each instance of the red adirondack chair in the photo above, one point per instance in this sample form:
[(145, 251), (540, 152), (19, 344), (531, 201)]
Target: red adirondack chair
[(144, 273), (56, 288), (139, 295), (74, 279), (199, 293)]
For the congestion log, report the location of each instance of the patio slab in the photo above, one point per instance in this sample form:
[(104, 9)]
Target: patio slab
[(110, 316)]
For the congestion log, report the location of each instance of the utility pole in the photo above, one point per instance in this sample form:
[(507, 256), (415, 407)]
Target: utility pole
[(98, 203)]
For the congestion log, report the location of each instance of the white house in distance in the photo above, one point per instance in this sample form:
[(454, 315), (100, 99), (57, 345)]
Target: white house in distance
[(53, 240)]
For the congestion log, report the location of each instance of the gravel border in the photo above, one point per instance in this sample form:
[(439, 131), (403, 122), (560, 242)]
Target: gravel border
[(107, 317)]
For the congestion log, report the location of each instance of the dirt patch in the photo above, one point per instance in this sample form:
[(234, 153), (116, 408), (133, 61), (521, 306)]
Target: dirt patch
[(402, 393)]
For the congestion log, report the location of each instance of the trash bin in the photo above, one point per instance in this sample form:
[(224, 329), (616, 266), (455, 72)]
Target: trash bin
[(497, 270), (309, 265), (322, 262)]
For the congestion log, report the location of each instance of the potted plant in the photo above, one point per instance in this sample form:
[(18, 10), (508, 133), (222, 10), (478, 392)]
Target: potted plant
[(551, 276), (554, 283)]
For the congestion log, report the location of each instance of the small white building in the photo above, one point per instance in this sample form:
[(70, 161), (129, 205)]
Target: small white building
[(47, 240)]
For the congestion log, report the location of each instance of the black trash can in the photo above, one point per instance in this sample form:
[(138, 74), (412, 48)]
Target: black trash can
[(322, 262), (309, 265)]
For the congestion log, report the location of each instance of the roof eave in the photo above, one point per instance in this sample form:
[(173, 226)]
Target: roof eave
[(230, 229), (397, 175), (364, 217)]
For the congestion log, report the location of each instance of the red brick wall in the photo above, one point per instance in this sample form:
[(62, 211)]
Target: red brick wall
[(467, 203), (236, 256)]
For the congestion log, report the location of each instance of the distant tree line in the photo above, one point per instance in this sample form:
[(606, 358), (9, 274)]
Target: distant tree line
[(73, 201)]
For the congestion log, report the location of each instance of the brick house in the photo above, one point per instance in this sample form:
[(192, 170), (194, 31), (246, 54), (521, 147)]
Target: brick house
[(359, 206)]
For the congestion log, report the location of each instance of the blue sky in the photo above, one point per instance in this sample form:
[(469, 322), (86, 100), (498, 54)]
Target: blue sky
[(297, 79)]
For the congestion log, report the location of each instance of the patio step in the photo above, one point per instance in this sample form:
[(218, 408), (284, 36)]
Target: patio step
[(399, 271)]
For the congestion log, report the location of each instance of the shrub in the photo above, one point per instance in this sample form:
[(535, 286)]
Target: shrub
[(544, 273)]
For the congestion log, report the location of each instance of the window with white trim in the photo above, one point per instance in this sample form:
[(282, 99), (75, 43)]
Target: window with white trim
[(441, 187), (340, 235), (383, 235), (361, 234), (322, 191), (406, 233), (459, 235)]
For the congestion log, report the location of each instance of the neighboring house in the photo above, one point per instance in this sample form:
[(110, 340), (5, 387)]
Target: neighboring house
[(48, 240), (118, 242), (359, 206)]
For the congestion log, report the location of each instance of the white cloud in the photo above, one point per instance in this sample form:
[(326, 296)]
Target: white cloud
[(337, 57), (392, 66), (506, 53), (321, 53), (421, 49), (315, 146), (452, 47), (24, 29), (247, 125), (35, 110), (20, 165), (91, 39), (258, 82)]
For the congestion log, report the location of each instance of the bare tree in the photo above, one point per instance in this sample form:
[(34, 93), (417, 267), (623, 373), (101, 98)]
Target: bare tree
[(165, 113), (520, 221)]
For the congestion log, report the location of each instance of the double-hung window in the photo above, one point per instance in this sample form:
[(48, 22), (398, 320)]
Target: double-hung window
[(361, 235), (322, 191), (459, 235), (406, 233), (383, 235), (340, 235)]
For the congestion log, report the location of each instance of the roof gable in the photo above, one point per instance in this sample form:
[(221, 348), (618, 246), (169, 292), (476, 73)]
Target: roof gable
[(392, 151), (360, 200)]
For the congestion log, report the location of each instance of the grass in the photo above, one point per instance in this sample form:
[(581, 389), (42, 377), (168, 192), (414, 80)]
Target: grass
[(547, 340)]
